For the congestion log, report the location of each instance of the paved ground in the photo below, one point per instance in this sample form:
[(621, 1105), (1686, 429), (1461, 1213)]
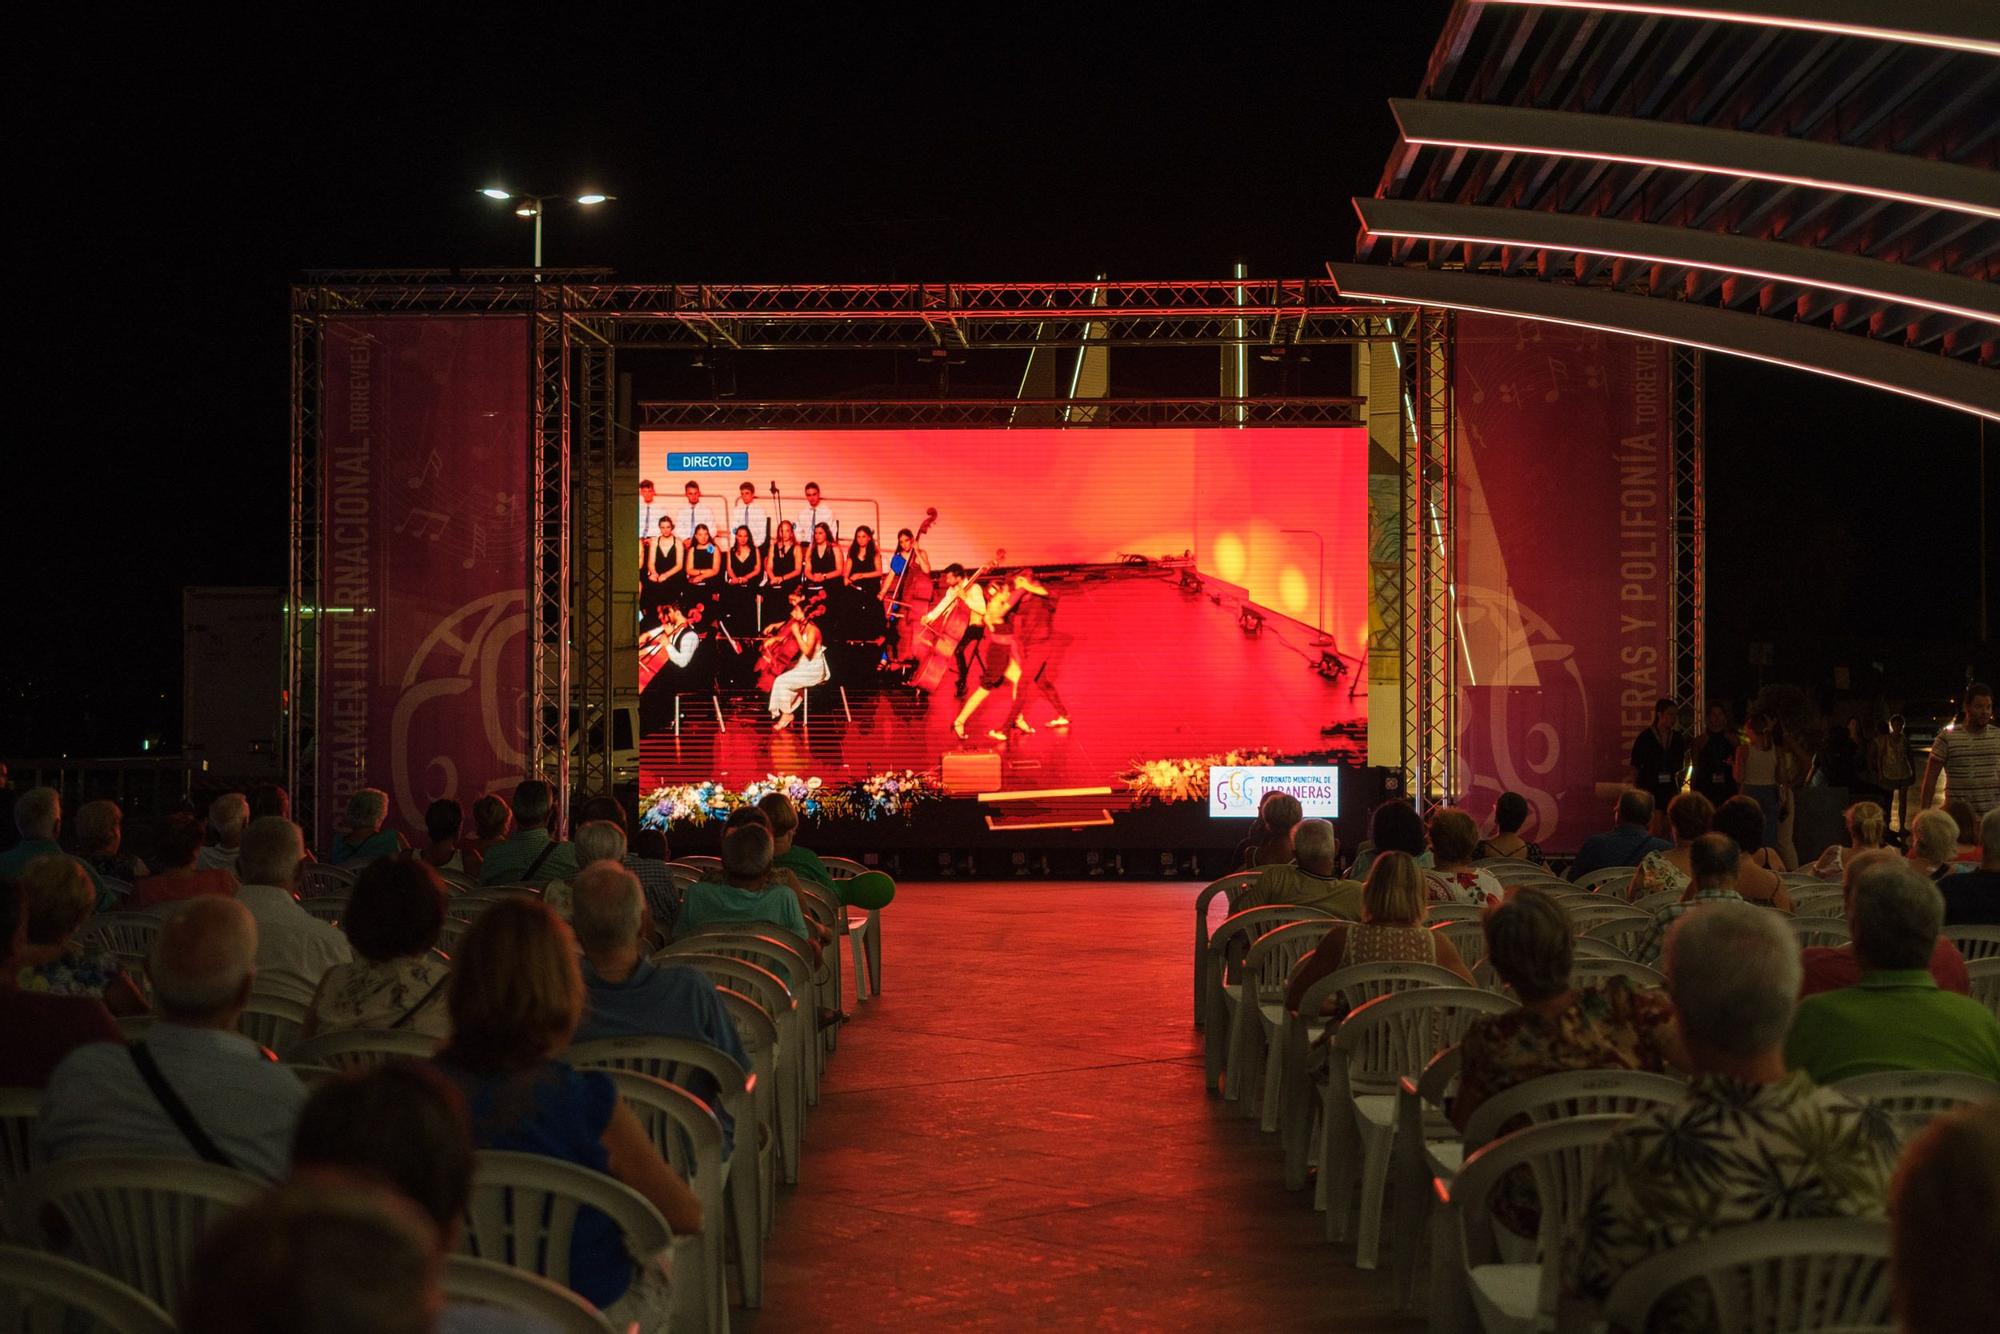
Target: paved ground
[(1016, 1136)]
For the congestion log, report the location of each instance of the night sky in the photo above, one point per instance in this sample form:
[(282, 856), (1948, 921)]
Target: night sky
[(169, 184)]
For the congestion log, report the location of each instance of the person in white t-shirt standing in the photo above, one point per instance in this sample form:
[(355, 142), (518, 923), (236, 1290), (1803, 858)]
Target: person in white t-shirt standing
[(1967, 753)]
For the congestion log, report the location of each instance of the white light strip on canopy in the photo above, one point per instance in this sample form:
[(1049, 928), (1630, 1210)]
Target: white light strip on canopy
[(1845, 18)]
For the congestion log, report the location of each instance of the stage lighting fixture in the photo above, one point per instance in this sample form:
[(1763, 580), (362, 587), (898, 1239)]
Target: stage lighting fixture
[(1331, 667), (1249, 621), (1191, 583)]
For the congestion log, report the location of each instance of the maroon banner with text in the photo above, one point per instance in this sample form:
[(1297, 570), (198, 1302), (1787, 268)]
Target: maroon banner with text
[(423, 562), (1563, 579)]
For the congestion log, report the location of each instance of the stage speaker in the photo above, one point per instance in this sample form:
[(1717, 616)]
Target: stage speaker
[(968, 773)]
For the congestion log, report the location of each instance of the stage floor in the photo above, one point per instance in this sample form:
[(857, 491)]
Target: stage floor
[(1150, 672)]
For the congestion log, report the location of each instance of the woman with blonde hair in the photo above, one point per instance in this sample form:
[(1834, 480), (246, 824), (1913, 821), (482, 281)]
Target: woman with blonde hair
[(1867, 827), (1391, 929), (516, 998)]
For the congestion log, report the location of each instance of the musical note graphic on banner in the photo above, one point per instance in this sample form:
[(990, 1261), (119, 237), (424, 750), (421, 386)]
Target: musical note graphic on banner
[(1526, 332), (434, 465), (478, 545), (430, 524), (1558, 377)]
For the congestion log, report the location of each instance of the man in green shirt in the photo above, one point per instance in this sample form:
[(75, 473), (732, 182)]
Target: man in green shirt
[(529, 855), (784, 818), (1896, 1017), (1308, 879)]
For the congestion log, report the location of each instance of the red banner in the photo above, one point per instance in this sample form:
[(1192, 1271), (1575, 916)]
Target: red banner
[(423, 562), (1563, 579)]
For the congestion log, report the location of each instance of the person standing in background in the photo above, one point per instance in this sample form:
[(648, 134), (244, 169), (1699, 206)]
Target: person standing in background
[(650, 513), (1755, 769), (1659, 757), (1967, 753), (1891, 764), (695, 513), (1713, 760)]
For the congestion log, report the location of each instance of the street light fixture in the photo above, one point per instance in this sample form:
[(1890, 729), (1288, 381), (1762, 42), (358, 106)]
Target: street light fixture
[(533, 206)]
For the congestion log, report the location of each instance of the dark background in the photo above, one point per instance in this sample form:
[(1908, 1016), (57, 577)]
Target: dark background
[(170, 183)]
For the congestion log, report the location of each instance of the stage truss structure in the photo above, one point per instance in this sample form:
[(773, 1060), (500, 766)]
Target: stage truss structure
[(579, 320)]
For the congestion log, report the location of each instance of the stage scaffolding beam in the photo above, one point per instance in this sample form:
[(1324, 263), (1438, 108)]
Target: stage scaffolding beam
[(302, 601), (549, 697), (1687, 576)]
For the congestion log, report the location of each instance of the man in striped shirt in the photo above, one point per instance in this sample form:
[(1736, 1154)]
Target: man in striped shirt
[(1968, 754)]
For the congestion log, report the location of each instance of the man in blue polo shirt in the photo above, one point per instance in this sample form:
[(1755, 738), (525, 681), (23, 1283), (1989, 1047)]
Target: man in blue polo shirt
[(628, 995), (1627, 844)]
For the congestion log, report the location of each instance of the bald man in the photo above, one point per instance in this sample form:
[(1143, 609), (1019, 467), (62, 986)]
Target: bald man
[(195, 1087)]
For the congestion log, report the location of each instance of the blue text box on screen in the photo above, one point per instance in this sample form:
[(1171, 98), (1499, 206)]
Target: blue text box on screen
[(686, 461)]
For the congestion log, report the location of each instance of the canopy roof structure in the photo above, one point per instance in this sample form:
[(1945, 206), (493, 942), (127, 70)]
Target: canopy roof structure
[(1814, 183)]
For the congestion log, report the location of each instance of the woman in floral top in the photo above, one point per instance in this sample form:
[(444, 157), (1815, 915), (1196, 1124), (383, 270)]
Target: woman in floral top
[(60, 899), (397, 980), (1452, 877), (1691, 815)]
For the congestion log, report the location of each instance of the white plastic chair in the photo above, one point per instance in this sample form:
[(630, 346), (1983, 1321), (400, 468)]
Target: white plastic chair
[(863, 927), (1622, 933), (1436, 913), (1585, 972), (477, 1282), (121, 932), (824, 910), (1374, 1048), (760, 984), (1819, 902), (1426, 1151), (1222, 888), (1607, 880), (1813, 931), (1974, 942), (690, 1139), (44, 1292), (524, 1208), (328, 908), (798, 1073), (1590, 947), (283, 984), (1470, 1270), (1498, 864), (455, 880), (272, 1021), (703, 866), (1300, 1030), (1467, 935), (750, 1166), (320, 880), (1771, 1278), (758, 1032), (357, 1048), (1252, 1064), (1588, 914), (20, 1113), (1985, 975), (1227, 947), (136, 1219), (1912, 1097), (1652, 903)]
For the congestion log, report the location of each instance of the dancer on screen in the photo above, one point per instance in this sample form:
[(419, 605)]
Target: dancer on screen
[(1002, 666)]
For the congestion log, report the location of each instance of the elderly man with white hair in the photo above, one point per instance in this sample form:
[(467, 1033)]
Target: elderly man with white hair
[(38, 819), (289, 939), (596, 841), (1895, 1017), (194, 1087), (228, 816), (626, 993), (1308, 879), (1751, 1142)]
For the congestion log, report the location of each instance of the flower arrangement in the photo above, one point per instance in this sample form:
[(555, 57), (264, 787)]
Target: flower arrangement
[(878, 797), (1186, 778)]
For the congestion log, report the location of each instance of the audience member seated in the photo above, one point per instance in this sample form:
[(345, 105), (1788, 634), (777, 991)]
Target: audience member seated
[(228, 815), (1965, 851), (100, 837), (516, 999), (1510, 812), (397, 979), (40, 1029), (194, 1087), (60, 902), (1613, 1025), (1391, 930), (1944, 1212), (1934, 845), (1867, 828), (1280, 815), (1308, 880), (362, 838), (649, 844), (1689, 816), (871, 893), (1768, 1145), (597, 841), (746, 892), (820, 934), (289, 939), (1759, 873), (270, 799), (1715, 861), (1627, 843), (491, 822), (175, 876), (530, 855), (1895, 1017), (1394, 826), (628, 995), (1828, 967), (1972, 898), (403, 1125), (325, 1251), (1452, 878), (656, 880), (443, 850), (38, 821)]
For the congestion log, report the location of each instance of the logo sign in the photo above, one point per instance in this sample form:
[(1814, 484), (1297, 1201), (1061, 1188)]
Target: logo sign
[(1234, 791), (737, 461)]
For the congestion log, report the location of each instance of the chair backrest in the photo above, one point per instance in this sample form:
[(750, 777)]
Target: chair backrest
[(772, 951), (745, 975), (670, 1059), (1607, 877), (43, 1292), (1822, 901), (1438, 913), (1497, 864), (20, 1113), (681, 1127), (821, 906), (1819, 931), (685, 869), (1583, 972), (1274, 955), (272, 1021), (1231, 940), (1362, 982), (1774, 1278), (457, 880), (136, 1219), (1519, 874), (1590, 947), (474, 1281), (1571, 1093), (283, 984), (356, 1048), (1622, 933), (1226, 888), (123, 932), (1395, 1035), (1561, 1156), (321, 880), (1587, 913), (1985, 975), (1652, 903), (1912, 1097), (840, 868), (524, 1209), (1975, 942), (710, 865), (1467, 935), (328, 908)]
